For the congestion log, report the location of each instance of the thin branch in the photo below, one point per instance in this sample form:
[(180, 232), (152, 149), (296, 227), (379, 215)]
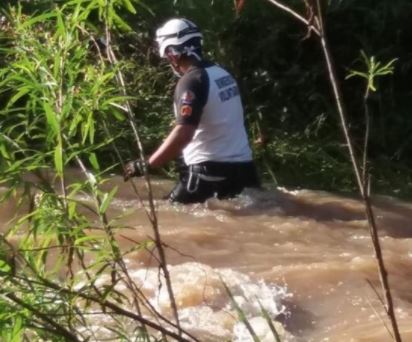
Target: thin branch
[(374, 310), (366, 137), (295, 15)]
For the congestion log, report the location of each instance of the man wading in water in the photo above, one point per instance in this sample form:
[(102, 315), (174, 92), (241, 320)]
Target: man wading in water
[(209, 128)]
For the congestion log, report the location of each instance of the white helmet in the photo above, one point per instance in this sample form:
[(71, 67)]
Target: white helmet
[(183, 35)]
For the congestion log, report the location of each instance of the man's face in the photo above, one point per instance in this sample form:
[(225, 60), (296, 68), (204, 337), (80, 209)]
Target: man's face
[(174, 60)]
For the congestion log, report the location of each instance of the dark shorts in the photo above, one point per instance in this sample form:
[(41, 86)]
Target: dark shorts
[(213, 179)]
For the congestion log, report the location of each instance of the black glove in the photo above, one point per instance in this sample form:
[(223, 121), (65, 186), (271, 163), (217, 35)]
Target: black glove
[(134, 168)]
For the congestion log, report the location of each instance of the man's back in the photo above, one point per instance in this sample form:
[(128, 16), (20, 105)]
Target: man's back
[(218, 112)]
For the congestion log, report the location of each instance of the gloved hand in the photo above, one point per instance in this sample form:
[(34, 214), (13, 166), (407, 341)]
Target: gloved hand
[(134, 168)]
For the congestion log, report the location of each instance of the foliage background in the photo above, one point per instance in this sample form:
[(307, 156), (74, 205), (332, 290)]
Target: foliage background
[(284, 84), (285, 87)]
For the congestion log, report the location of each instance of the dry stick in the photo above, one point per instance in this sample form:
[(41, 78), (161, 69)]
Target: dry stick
[(373, 308), (382, 269), (362, 187), (153, 216)]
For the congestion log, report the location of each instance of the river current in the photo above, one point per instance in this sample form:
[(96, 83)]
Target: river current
[(305, 256)]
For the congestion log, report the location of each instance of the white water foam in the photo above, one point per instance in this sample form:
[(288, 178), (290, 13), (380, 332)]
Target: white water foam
[(205, 308)]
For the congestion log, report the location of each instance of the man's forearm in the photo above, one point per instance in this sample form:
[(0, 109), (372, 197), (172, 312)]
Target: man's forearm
[(173, 145)]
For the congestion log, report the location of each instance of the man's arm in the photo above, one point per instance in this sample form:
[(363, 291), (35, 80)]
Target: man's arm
[(173, 145)]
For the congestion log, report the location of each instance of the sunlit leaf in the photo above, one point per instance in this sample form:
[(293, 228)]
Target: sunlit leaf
[(51, 118), (93, 160), (58, 159), (107, 199), (120, 22), (129, 6), (22, 92), (4, 266), (38, 19)]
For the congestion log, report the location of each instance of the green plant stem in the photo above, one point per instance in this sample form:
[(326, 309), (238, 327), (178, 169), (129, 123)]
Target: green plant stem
[(58, 329), (241, 314), (365, 177)]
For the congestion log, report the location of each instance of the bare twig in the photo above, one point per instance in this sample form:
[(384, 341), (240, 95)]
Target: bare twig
[(373, 308), (294, 14)]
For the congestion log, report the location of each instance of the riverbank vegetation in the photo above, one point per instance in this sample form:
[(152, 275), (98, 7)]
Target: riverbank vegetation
[(289, 105), (76, 78)]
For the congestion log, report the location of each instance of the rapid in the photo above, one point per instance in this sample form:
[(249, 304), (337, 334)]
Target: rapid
[(305, 256)]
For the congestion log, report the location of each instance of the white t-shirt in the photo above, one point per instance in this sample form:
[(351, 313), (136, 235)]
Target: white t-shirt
[(208, 97)]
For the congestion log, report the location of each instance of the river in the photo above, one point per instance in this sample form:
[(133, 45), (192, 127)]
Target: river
[(306, 256)]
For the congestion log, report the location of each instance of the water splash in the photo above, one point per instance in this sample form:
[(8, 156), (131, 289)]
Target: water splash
[(205, 309)]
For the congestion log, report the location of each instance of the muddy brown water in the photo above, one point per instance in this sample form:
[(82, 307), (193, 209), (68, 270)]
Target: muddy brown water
[(305, 253)]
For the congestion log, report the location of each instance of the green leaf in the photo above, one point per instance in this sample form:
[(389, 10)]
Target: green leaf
[(4, 152), (4, 266), (39, 19), (129, 6), (89, 238), (93, 160), (354, 73), (241, 314), (268, 319), (118, 115), (61, 29), (58, 159), (91, 124), (17, 330), (51, 118), (72, 209), (120, 22), (107, 199), (23, 91)]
